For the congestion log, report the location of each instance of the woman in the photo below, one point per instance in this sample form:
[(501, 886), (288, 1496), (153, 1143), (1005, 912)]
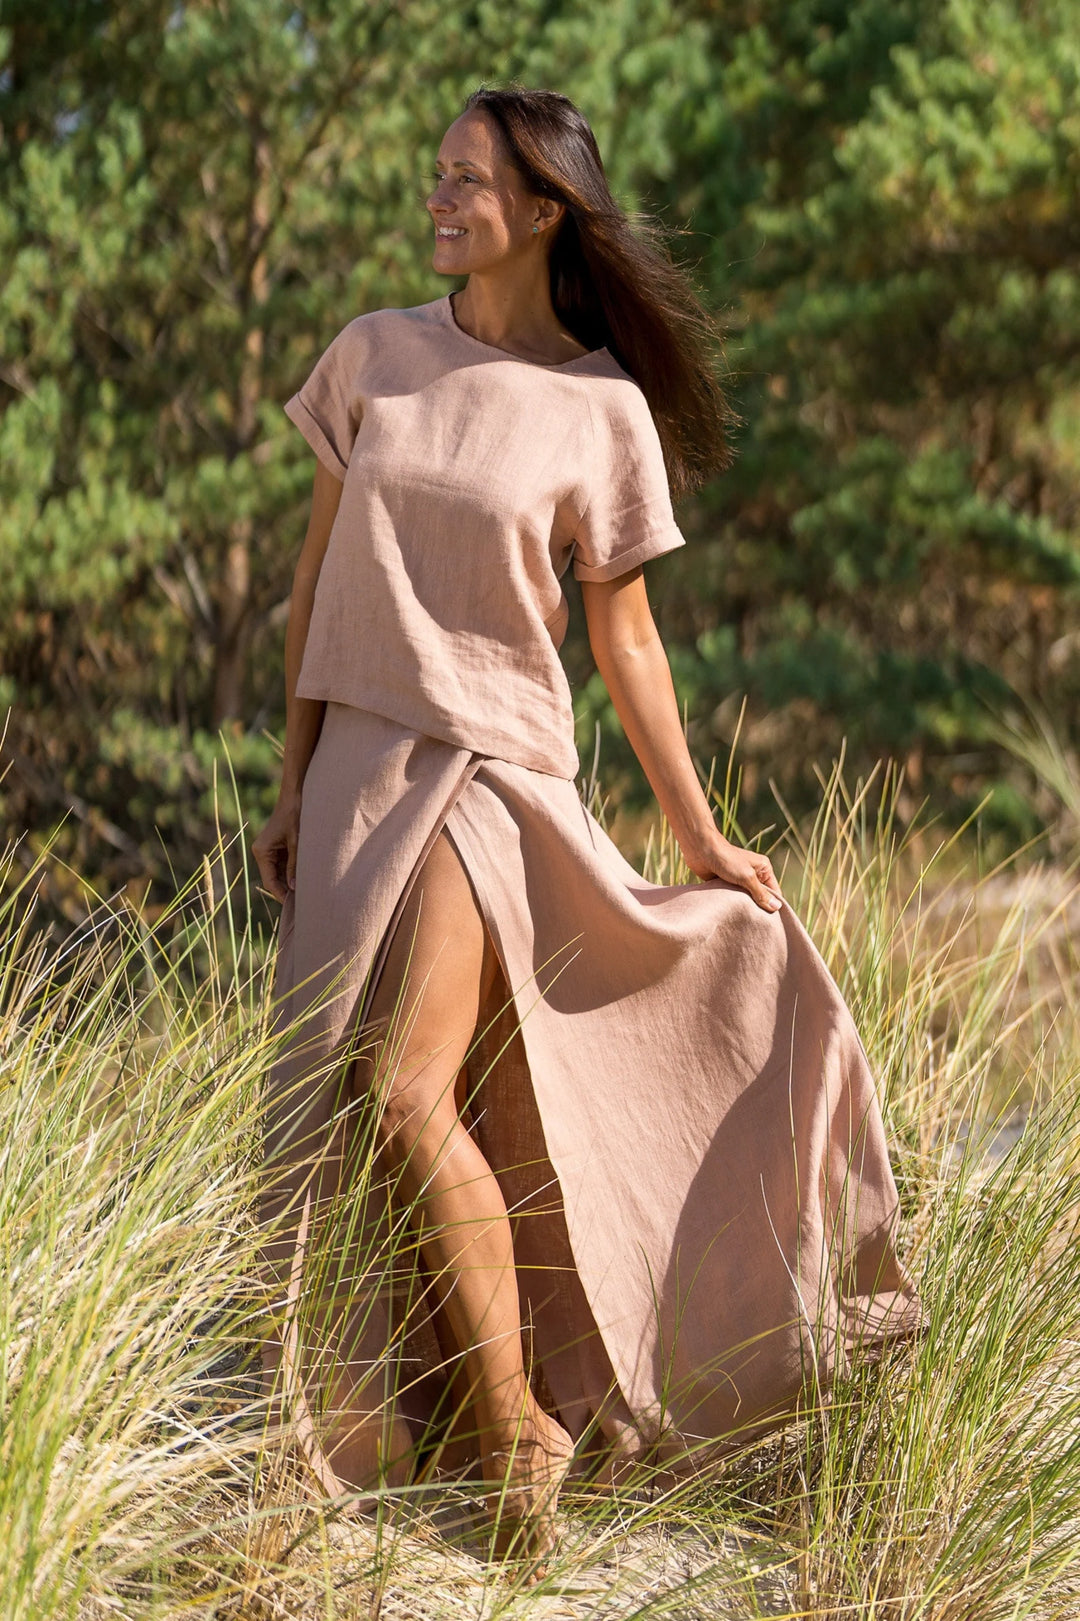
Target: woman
[(638, 1117)]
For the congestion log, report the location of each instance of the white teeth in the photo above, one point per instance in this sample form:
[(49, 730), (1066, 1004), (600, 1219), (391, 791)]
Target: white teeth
[(448, 230)]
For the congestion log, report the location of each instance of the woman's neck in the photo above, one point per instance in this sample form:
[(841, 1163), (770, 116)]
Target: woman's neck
[(515, 314)]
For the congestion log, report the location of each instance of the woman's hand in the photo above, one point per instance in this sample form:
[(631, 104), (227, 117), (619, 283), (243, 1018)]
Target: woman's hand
[(275, 847), (716, 857)]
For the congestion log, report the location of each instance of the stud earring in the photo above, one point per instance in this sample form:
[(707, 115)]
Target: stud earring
[(535, 229)]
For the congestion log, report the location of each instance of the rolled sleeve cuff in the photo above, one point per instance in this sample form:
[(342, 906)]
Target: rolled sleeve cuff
[(299, 412), (669, 540)]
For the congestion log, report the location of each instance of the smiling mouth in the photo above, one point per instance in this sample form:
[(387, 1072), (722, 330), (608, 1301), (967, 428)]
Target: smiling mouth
[(449, 233)]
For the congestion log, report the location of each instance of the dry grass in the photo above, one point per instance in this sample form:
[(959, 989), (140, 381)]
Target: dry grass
[(136, 1480)]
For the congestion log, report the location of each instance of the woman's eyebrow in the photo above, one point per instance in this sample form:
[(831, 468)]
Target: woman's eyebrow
[(461, 163)]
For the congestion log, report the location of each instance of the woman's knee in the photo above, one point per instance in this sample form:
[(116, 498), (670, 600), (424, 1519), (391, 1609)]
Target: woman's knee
[(416, 1120)]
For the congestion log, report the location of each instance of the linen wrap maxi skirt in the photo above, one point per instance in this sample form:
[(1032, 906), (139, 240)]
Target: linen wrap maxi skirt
[(686, 1129)]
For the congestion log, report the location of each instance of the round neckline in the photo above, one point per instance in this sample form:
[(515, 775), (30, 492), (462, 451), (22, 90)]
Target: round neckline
[(508, 354)]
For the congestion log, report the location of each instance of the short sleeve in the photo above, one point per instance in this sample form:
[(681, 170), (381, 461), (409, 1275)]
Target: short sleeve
[(327, 408), (628, 517)]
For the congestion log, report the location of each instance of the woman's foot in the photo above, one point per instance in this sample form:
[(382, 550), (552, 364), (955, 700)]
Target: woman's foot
[(525, 1478)]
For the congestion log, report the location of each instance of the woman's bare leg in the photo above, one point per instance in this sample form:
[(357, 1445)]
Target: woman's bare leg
[(438, 975)]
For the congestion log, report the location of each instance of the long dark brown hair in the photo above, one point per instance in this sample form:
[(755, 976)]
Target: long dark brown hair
[(614, 285)]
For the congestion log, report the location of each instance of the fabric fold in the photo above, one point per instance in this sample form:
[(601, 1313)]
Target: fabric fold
[(675, 1100)]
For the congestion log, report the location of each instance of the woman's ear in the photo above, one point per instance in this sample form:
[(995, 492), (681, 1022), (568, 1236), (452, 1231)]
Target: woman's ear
[(549, 211)]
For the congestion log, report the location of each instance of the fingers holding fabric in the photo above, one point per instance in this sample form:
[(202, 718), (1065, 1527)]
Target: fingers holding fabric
[(718, 858)]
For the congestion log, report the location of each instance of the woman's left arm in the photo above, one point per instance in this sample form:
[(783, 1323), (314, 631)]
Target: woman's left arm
[(631, 659)]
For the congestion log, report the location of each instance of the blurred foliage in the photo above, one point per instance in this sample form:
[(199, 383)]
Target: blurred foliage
[(879, 195), (883, 197)]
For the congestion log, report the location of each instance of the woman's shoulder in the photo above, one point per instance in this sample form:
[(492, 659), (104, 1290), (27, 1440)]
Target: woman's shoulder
[(379, 325), (616, 398)]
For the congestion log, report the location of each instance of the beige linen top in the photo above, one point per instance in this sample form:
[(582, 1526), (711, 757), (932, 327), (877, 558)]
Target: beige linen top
[(471, 480)]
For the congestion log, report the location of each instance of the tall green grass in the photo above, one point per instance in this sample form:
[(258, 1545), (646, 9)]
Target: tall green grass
[(139, 1476)]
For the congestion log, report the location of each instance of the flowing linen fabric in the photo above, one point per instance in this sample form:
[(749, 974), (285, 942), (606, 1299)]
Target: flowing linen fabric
[(674, 1098)]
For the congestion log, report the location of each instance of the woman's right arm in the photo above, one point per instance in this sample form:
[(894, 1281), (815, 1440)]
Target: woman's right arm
[(275, 847)]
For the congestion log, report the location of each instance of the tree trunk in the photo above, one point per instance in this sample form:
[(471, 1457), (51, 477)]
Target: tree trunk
[(234, 607), (234, 598)]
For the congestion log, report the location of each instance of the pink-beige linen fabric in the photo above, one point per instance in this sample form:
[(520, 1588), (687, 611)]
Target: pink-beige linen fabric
[(471, 480), (676, 1100)]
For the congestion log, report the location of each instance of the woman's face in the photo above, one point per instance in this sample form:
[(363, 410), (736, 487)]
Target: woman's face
[(481, 210)]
